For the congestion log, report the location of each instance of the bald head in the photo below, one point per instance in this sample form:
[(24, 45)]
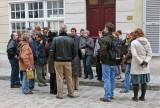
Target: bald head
[(63, 28)]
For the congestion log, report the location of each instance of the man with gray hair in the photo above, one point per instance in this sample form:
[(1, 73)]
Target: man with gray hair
[(33, 45), (63, 51)]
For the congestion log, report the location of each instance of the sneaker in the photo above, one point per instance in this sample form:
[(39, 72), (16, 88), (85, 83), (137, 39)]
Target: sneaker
[(123, 91)]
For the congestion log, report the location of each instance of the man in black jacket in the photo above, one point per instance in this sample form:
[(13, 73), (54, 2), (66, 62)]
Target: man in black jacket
[(13, 56), (62, 52)]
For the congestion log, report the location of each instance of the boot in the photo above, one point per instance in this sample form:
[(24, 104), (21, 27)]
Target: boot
[(135, 89), (143, 92)]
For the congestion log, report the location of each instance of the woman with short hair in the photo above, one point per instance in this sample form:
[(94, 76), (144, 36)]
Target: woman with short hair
[(87, 45), (140, 70)]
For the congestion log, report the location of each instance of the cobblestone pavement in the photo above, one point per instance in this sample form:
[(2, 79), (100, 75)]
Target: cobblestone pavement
[(85, 97)]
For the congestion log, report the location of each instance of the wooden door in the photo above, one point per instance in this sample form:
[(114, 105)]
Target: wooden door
[(99, 12)]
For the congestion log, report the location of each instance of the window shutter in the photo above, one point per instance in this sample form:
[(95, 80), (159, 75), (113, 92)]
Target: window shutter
[(151, 24)]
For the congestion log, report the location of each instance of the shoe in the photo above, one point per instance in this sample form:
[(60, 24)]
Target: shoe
[(111, 97), (70, 96), (119, 78), (135, 99), (30, 92), (85, 77), (100, 80), (122, 81), (104, 100), (90, 78), (15, 86), (96, 75), (141, 99), (45, 84), (76, 89), (122, 91), (59, 97)]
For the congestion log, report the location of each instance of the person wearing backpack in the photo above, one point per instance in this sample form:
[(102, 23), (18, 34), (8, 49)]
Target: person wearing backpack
[(108, 59)]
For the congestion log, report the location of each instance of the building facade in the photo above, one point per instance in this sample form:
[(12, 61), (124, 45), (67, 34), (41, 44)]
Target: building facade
[(126, 15)]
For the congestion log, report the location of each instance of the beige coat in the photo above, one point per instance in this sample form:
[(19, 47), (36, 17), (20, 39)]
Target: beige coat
[(139, 54)]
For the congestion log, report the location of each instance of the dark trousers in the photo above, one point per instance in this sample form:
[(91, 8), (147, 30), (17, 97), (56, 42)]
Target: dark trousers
[(14, 72), (53, 83), (98, 68), (21, 75)]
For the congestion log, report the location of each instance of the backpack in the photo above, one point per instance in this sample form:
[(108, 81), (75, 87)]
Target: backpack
[(115, 51)]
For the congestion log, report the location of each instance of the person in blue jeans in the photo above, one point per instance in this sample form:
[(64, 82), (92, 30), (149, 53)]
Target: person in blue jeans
[(127, 61), (13, 56), (33, 45), (87, 44), (26, 62), (108, 64)]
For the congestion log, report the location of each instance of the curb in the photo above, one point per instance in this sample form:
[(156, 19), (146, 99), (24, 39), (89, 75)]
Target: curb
[(150, 86)]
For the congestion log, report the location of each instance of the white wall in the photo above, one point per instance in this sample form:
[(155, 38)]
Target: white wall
[(124, 8), (75, 14)]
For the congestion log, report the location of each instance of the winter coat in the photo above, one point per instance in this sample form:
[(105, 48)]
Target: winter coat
[(41, 56), (88, 45), (106, 44), (63, 48), (12, 49), (139, 54), (51, 68), (26, 60), (33, 45), (76, 64)]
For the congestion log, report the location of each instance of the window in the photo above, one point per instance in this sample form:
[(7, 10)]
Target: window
[(17, 11), (55, 8), (35, 10), (54, 25), (18, 27), (44, 13)]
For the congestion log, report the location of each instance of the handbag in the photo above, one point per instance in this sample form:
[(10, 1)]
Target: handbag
[(30, 74)]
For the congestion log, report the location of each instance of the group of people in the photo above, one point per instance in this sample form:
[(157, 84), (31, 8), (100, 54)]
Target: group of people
[(66, 53), (112, 49)]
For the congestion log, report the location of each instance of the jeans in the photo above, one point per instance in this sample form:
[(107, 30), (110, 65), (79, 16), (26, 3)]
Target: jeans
[(87, 66), (14, 72), (32, 81), (25, 83), (127, 78), (109, 80)]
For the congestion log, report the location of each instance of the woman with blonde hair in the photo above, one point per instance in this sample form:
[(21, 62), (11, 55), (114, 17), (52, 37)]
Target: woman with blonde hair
[(141, 55)]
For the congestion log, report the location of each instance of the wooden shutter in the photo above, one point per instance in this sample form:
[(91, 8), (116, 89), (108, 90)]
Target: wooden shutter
[(151, 24)]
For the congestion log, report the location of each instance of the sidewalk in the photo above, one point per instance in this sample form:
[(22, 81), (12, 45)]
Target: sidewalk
[(153, 85)]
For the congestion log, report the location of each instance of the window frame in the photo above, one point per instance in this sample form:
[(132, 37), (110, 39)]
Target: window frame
[(45, 18)]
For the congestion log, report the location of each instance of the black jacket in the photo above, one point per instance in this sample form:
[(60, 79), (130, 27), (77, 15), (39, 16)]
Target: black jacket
[(12, 49), (63, 48), (41, 56)]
